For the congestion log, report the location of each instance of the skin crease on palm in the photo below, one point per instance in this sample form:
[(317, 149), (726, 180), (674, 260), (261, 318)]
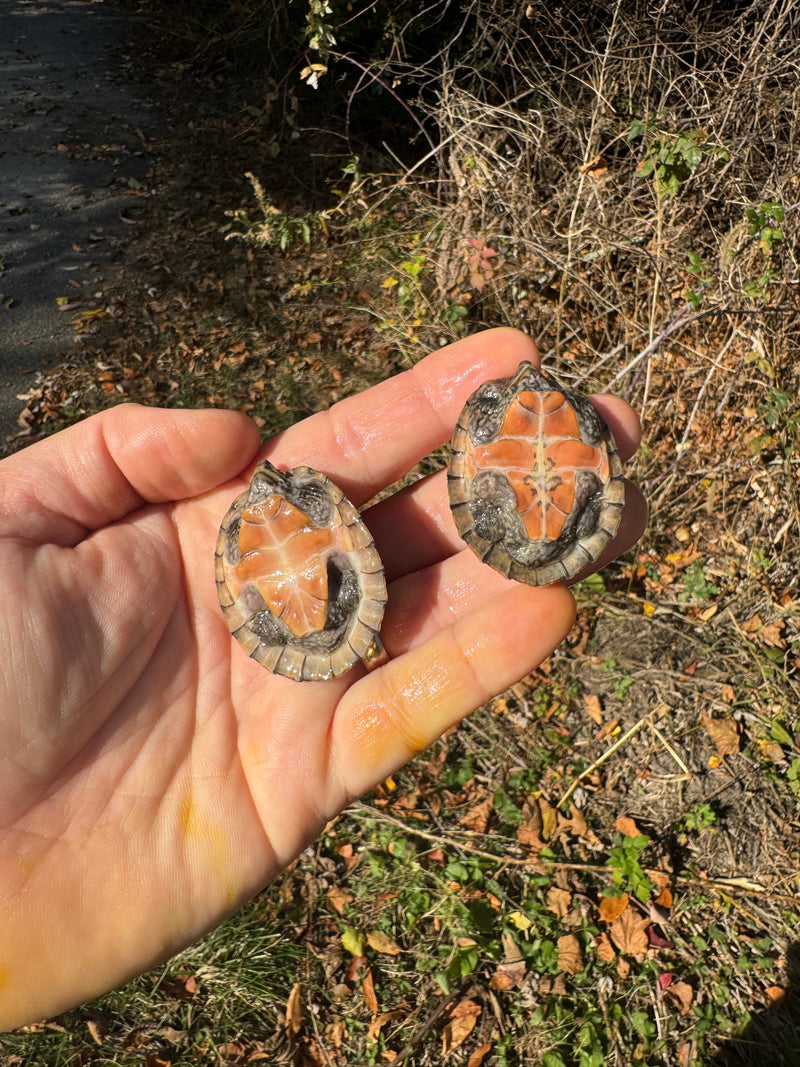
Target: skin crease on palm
[(152, 777)]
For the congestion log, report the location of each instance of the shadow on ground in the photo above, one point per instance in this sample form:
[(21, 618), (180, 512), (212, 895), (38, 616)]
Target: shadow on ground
[(772, 1037), (74, 151)]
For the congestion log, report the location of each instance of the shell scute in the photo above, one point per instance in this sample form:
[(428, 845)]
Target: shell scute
[(300, 582), (535, 480)]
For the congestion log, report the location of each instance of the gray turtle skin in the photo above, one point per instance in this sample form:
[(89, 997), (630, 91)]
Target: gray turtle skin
[(534, 478)]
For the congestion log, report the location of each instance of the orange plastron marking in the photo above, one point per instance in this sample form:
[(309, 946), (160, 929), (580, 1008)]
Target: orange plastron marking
[(286, 557), (540, 451)]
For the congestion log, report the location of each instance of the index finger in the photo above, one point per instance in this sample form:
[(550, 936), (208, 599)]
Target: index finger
[(368, 441)]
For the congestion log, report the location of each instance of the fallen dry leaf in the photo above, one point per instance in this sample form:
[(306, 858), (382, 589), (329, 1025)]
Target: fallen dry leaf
[(462, 1022), (611, 908), (558, 901), (725, 733), (771, 750), (604, 949), (771, 635), (528, 835), (94, 1030), (511, 950), (477, 818), (681, 995), (570, 958), (338, 899), (465, 1007), (627, 827), (381, 942), (595, 168), (575, 824), (477, 1057), (380, 1021), (368, 989), (664, 898), (508, 975), (549, 818), (591, 705), (336, 1032), (607, 729), (294, 1011), (629, 934)]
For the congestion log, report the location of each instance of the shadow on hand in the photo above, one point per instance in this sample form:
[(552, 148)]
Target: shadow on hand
[(772, 1037)]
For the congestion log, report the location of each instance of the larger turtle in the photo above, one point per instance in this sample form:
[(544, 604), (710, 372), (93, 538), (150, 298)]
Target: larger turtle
[(299, 579), (534, 478)]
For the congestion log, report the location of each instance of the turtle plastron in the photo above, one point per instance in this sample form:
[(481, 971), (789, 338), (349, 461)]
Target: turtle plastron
[(300, 581), (534, 478)]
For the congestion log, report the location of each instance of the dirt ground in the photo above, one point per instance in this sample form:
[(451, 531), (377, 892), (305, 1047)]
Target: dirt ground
[(77, 135)]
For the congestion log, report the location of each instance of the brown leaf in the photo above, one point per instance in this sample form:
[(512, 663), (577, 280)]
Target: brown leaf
[(380, 1021), (771, 750), (725, 733), (368, 989), (94, 1029), (294, 1011), (604, 949), (354, 968), (664, 898), (595, 168), (462, 1022), (381, 942), (456, 1033), (771, 635), (338, 899), (508, 975), (576, 824), (558, 901), (527, 835), (511, 950), (477, 1057), (336, 1032), (629, 934), (611, 908), (591, 705), (681, 995), (569, 954), (465, 1007), (477, 818), (606, 729), (627, 827), (623, 968)]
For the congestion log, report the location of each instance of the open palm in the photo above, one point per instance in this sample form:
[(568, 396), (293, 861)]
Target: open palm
[(152, 777)]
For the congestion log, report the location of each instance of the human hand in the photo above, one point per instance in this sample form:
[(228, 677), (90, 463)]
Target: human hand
[(152, 777)]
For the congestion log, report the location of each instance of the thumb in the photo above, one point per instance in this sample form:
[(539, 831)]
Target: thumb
[(112, 463)]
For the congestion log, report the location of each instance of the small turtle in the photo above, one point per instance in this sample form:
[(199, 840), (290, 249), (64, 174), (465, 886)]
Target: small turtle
[(300, 581), (534, 478)]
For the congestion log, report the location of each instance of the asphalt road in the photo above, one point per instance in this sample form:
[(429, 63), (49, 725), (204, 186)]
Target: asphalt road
[(75, 130)]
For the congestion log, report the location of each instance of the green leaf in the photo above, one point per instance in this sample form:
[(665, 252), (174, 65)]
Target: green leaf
[(552, 1059), (353, 941), (779, 734), (642, 1024)]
